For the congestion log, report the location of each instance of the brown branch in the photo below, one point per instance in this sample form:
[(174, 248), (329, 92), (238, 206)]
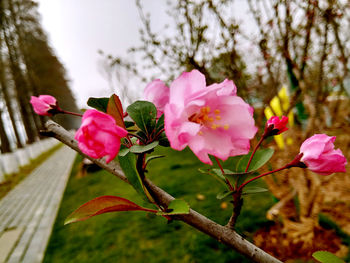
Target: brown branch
[(221, 233)]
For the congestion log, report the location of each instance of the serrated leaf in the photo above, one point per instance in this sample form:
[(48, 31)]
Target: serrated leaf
[(153, 157), (128, 164), (102, 205), (254, 190), (326, 257), (143, 148), (260, 158), (115, 109), (177, 207), (224, 194), (144, 114), (98, 103)]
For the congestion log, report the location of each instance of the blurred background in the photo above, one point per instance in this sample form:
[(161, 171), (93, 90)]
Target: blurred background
[(285, 57)]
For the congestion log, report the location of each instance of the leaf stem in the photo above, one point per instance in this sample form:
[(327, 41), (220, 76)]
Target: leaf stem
[(253, 153), (71, 113), (223, 172), (262, 175)]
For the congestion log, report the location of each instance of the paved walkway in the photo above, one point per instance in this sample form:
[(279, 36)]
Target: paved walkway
[(28, 212)]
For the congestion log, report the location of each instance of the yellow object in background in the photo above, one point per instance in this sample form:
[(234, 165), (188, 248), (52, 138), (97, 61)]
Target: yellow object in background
[(277, 105)]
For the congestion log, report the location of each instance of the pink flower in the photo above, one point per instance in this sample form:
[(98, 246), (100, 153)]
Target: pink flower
[(210, 120), (157, 93), (45, 105), (275, 125), (99, 135), (319, 155)]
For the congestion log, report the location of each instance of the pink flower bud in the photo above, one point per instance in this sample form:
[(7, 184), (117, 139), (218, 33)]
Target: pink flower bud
[(275, 125), (99, 135), (319, 155), (209, 119), (45, 105), (157, 93)]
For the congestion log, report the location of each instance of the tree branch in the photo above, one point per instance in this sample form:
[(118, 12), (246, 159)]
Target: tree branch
[(221, 233)]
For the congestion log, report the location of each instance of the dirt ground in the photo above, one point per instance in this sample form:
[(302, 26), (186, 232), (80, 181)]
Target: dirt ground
[(295, 232)]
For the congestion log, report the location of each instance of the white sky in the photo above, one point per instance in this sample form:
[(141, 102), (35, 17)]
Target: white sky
[(77, 29)]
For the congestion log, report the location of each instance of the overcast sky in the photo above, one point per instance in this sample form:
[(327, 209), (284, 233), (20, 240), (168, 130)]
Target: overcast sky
[(77, 29)]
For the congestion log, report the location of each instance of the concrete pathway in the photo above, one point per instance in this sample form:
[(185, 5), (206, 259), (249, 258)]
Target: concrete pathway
[(28, 212)]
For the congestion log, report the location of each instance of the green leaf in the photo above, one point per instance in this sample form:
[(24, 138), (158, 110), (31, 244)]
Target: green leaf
[(128, 164), (143, 148), (102, 205), (240, 179), (254, 190), (219, 173), (219, 178), (153, 157), (129, 124), (260, 158), (98, 103), (326, 257), (224, 194), (124, 151), (160, 123), (163, 140), (115, 109), (144, 114), (177, 207)]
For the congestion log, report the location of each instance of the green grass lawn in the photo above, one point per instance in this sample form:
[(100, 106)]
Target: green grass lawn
[(140, 237)]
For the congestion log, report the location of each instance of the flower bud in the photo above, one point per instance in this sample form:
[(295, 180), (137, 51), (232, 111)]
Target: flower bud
[(45, 105), (319, 155), (99, 135), (275, 126)]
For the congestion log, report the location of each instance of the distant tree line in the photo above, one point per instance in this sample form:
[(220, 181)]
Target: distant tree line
[(28, 67)]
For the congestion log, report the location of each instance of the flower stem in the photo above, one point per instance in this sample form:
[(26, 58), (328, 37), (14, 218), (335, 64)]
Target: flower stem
[(261, 175), (71, 113), (223, 172), (136, 136), (237, 207), (254, 151)]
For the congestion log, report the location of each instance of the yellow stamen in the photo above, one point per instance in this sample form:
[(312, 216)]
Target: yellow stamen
[(226, 126), (205, 118), (217, 111), (218, 117), (200, 133), (213, 127), (211, 119), (207, 109)]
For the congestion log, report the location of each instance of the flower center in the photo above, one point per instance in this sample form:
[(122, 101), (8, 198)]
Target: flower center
[(208, 118)]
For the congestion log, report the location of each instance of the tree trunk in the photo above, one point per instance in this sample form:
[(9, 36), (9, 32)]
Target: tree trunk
[(31, 86), (4, 89), (5, 142), (20, 84)]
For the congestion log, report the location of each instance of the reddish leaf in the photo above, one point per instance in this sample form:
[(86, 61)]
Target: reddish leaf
[(115, 109), (102, 205)]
